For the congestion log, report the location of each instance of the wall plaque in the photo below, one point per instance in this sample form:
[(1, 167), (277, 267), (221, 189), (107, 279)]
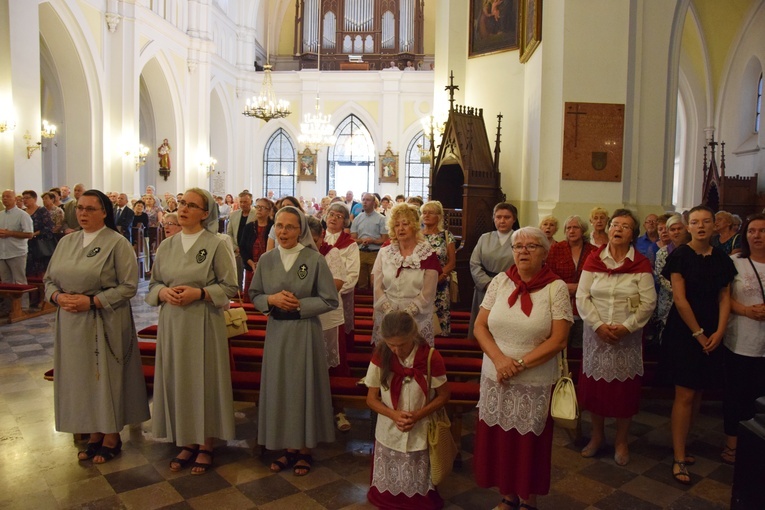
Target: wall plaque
[(593, 139)]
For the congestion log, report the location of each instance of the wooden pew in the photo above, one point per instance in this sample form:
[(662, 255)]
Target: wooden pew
[(15, 292)]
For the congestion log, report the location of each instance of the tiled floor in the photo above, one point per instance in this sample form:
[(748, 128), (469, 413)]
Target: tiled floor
[(38, 467)]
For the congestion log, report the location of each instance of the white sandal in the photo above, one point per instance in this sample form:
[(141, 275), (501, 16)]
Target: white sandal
[(343, 425)]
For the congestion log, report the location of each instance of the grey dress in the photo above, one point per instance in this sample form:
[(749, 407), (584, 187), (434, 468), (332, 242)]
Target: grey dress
[(192, 377), (489, 258), (99, 384), (295, 408)]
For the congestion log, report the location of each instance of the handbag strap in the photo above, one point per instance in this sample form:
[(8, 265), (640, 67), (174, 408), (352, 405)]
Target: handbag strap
[(430, 355), (759, 280), (563, 355), (239, 296)]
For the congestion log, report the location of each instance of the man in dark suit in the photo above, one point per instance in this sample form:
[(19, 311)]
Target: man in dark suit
[(123, 217)]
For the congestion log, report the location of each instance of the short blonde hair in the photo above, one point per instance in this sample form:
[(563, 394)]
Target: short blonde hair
[(599, 210), (404, 212), (436, 207), (549, 218)]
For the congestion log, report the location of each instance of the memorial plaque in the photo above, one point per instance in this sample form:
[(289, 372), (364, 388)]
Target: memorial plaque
[(593, 139)]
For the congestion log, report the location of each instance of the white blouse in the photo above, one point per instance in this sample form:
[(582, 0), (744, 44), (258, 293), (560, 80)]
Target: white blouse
[(350, 256), (746, 336), (412, 398), (523, 402), (336, 266), (627, 299)]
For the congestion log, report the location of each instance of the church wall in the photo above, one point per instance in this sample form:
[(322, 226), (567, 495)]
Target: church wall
[(744, 148)]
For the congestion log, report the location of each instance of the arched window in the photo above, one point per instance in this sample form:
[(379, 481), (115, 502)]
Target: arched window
[(351, 161), (758, 108), (279, 163), (418, 166)]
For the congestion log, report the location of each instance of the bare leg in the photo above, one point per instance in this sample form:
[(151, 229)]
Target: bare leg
[(621, 445), (598, 436), (682, 410)]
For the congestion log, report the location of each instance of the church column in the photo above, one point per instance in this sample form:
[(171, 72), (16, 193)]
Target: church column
[(121, 112), (20, 93), (451, 45), (197, 127)]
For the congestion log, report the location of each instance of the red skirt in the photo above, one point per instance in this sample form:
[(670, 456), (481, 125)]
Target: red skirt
[(513, 462), (342, 370), (614, 399), (385, 500)]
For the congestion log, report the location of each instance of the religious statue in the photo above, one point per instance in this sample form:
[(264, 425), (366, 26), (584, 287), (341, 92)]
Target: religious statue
[(163, 153)]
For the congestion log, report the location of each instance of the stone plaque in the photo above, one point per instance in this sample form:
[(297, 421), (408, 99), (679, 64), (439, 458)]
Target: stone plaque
[(593, 138)]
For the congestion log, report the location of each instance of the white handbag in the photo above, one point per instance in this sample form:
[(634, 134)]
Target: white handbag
[(564, 407)]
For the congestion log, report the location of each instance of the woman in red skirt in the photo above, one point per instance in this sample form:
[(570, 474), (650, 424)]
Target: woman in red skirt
[(522, 324), (615, 298)]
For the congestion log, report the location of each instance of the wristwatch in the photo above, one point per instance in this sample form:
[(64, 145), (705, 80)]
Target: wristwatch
[(92, 302)]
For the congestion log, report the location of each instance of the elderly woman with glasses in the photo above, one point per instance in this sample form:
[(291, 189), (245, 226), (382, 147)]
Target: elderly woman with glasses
[(523, 324), (255, 239), (99, 386), (294, 286), (192, 280), (616, 297)]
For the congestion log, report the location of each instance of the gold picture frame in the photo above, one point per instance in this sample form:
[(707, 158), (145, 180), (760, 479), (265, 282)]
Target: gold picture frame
[(531, 28), (388, 166), (306, 167), (494, 27)]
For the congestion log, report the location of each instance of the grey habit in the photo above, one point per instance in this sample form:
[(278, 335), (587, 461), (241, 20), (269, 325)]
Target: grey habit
[(99, 384), (192, 379), (489, 258), (295, 407)]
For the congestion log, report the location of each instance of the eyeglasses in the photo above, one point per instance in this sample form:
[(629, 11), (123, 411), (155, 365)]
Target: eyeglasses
[(621, 226), (89, 210), (190, 205), (288, 228), (261, 207), (531, 248), (336, 215), (169, 224)]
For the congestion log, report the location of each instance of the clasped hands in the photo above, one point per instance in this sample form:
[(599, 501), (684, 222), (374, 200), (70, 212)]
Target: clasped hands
[(180, 295), (611, 333), (709, 343), (507, 367), (74, 303), (405, 420), (285, 300)]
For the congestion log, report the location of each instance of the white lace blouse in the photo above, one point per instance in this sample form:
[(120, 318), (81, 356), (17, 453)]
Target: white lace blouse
[(338, 269), (523, 402)]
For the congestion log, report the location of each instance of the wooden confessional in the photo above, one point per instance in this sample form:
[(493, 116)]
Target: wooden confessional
[(733, 193), (465, 178)]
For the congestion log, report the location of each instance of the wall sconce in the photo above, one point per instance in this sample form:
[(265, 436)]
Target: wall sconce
[(208, 166), (7, 125), (48, 131), (139, 155)]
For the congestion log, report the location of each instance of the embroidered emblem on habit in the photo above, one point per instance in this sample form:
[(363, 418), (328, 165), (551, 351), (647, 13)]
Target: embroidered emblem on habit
[(201, 256), (302, 271), (95, 251)]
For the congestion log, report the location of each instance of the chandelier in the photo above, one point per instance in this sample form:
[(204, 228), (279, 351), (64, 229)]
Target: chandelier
[(316, 131), (266, 106)]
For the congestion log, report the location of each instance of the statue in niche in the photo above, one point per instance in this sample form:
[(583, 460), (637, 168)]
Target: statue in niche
[(163, 153)]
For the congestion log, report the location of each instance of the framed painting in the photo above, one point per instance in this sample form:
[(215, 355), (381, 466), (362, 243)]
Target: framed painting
[(531, 31), (494, 26), (388, 166), (306, 166)]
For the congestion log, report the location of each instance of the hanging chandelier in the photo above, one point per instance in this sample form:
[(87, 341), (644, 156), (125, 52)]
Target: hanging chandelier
[(316, 131), (266, 106)]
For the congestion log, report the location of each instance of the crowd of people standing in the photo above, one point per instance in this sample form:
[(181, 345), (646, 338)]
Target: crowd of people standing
[(692, 283)]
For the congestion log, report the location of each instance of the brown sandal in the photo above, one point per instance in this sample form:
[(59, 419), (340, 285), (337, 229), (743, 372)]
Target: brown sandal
[(728, 455)]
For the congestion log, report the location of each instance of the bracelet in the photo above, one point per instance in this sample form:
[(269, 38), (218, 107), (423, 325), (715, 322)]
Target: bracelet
[(521, 362), (698, 333), (54, 298), (92, 303)]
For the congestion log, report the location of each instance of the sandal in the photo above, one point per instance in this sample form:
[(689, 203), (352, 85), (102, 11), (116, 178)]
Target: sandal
[(90, 451), (182, 463), (203, 467), (683, 471), (108, 453), (728, 455), (512, 504), (306, 468), (290, 459), (690, 459), (343, 425)]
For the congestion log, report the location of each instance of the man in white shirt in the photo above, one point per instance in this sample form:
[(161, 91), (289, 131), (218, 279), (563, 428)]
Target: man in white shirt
[(370, 233), (15, 229)]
